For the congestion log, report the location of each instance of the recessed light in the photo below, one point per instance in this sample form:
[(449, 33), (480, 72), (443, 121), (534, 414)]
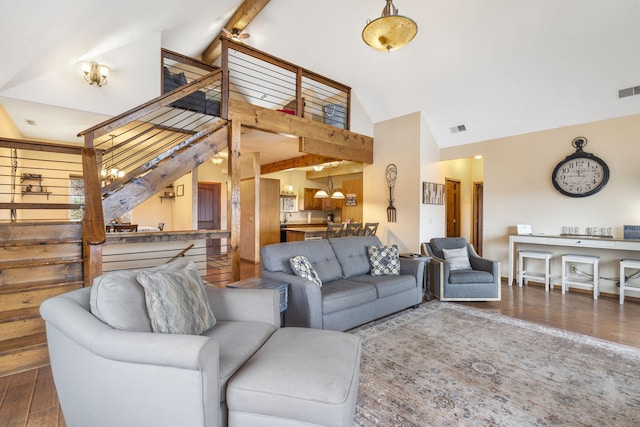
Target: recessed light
[(477, 156)]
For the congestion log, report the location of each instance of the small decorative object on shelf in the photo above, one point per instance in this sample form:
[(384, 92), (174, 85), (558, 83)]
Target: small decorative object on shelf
[(33, 189), (603, 232)]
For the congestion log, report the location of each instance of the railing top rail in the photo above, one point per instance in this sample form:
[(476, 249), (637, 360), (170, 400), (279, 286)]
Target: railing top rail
[(24, 144), (163, 100), (230, 44), (183, 59)]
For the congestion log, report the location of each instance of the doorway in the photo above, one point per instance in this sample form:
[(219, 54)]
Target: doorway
[(209, 213), (476, 233), (452, 207)]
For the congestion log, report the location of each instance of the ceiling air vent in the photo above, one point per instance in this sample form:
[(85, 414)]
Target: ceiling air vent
[(459, 128), (630, 91)]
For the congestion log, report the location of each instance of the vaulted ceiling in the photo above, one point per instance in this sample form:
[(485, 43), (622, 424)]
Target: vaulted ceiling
[(499, 67)]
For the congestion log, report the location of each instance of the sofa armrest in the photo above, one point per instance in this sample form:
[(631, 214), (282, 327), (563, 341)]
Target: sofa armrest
[(304, 308), (413, 267), (482, 264), (247, 305)]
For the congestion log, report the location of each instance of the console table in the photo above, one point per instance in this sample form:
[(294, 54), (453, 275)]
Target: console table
[(566, 241)]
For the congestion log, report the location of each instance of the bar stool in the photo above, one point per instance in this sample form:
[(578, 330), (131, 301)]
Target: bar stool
[(627, 263), (524, 274), (580, 259)]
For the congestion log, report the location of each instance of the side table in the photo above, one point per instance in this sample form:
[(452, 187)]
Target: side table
[(425, 282), (259, 283)]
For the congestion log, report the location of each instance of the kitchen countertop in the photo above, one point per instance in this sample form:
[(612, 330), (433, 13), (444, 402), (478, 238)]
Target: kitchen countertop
[(308, 229)]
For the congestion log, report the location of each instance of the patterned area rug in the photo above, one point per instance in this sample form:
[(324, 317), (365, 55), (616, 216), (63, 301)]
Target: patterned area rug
[(449, 365)]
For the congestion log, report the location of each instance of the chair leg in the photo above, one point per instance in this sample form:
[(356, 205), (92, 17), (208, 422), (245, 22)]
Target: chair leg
[(564, 277), (547, 275), (520, 269), (622, 277), (596, 280)]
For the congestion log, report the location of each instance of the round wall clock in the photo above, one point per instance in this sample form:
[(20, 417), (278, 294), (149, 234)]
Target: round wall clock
[(580, 174)]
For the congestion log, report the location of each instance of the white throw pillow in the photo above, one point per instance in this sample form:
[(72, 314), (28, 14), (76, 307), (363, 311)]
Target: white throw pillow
[(177, 301), (458, 259), (302, 267)]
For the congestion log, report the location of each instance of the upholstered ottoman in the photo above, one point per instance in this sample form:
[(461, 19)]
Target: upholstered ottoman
[(299, 377)]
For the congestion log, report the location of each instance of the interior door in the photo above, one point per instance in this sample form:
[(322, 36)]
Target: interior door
[(452, 207), (209, 213), (478, 195)]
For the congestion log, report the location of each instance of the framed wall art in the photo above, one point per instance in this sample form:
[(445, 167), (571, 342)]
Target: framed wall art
[(180, 190), (432, 193)]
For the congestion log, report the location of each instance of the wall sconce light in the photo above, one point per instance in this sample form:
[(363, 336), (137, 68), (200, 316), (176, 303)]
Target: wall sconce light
[(95, 73), (318, 168)]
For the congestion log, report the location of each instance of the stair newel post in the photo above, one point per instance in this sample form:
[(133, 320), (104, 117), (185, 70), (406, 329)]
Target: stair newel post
[(234, 206), (93, 229), (224, 62)]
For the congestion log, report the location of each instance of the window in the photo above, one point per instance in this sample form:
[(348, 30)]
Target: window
[(76, 196)]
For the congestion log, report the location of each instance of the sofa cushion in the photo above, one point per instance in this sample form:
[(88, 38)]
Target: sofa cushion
[(117, 298), (176, 301), (237, 342), (458, 258), (440, 243), (352, 253), (470, 276), (388, 285), (276, 257), (384, 260), (342, 294), (303, 268)]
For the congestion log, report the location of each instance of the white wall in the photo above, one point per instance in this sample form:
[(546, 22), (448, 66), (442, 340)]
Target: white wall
[(396, 141), (518, 187)]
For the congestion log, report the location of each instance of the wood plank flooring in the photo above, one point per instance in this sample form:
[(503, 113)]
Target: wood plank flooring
[(29, 398)]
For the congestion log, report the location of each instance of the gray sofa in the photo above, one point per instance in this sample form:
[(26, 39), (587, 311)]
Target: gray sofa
[(349, 295)]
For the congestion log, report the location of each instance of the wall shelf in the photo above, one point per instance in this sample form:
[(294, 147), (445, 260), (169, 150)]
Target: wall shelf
[(33, 189)]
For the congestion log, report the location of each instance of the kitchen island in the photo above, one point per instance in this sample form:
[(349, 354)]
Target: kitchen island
[(296, 234)]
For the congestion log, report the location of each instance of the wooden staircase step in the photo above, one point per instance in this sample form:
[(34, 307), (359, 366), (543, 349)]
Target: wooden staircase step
[(11, 329), (21, 314), (31, 286), (19, 243), (32, 298), (36, 356), (16, 345), (38, 263)]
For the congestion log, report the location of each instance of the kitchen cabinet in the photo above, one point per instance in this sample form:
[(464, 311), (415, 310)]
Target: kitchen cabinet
[(308, 202), (330, 204)]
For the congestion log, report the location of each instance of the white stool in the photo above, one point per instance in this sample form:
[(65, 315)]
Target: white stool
[(626, 263), (580, 259), (524, 274)]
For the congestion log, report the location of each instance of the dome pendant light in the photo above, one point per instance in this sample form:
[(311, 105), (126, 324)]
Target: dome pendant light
[(391, 31)]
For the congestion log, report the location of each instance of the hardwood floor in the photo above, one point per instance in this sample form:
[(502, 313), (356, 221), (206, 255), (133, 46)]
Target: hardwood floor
[(29, 398)]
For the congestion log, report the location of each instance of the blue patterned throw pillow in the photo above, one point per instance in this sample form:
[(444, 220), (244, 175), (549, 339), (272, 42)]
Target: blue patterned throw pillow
[(177, 301), (384, 260), (303, 268)]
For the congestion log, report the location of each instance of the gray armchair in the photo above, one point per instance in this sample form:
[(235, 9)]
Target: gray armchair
[(111, 377), (479, 283)]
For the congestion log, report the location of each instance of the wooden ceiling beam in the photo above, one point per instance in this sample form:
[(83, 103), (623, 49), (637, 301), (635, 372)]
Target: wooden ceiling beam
[(297, 162), (244, 14), (338, 170)]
